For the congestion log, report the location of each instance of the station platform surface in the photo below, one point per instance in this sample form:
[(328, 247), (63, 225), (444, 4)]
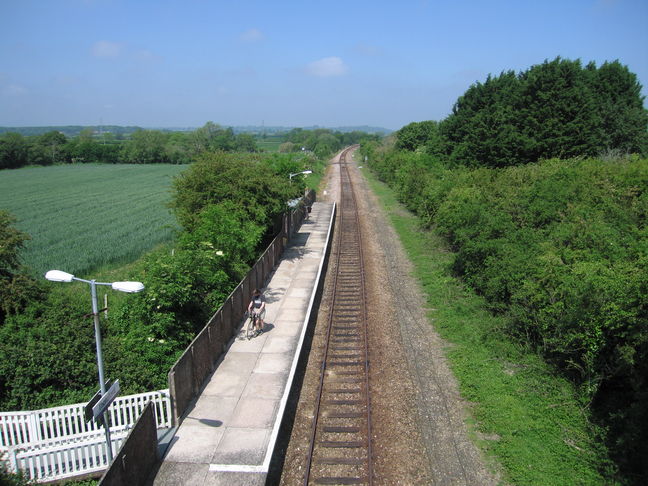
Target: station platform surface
[(229, 433)]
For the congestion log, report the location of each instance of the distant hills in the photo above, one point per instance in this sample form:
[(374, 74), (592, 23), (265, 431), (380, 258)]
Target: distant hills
[(69, 130), (255, 129), (120, 131)]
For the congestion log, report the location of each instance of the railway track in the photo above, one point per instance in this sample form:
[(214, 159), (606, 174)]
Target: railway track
[(340, 440)]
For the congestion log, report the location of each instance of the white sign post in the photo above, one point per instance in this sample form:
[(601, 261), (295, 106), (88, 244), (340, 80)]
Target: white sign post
[(104, 402)]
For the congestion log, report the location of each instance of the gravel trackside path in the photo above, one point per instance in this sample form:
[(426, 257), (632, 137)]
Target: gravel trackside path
[(420, 437)]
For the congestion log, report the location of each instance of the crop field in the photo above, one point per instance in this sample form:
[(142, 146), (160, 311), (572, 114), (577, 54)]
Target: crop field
[(269, 145), (80, 217)]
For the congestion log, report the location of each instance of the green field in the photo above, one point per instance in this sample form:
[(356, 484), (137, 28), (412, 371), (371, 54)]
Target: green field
[(269, 145), (82, 216)]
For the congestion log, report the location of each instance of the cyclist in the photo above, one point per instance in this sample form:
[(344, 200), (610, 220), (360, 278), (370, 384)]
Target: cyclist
[(258, 305)]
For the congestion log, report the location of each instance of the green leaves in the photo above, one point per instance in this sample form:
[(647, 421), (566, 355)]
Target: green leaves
[(561, 249), (16, 288), (553, 109), (14, 151), (47, 353), (227, 204), (227, 233), (620, 105), (244, 180)]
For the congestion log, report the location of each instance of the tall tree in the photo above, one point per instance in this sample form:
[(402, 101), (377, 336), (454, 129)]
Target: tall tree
[(201, 138), (48, 148), (416, 135), (244, 142), (84, 148), (485, 127), (620, 104), (553, 109), (13, 151), (559, 110)]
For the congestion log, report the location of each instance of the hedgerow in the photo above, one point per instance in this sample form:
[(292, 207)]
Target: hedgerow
[(561, 248)]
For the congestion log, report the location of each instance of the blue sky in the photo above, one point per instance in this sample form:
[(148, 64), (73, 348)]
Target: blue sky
[(168, 63)]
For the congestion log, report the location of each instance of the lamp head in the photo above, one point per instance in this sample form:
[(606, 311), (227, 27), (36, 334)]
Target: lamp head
[(59, 276), (128, 287)]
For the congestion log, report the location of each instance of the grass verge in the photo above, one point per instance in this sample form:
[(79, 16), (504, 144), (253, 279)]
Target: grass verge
[(524, 417)]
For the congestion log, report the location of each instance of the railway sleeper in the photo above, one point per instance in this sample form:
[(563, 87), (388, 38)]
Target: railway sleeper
[(342, 444), (341, 461), (342, 390), (340, 480), (341, 429), (346, 415), (344, 402)]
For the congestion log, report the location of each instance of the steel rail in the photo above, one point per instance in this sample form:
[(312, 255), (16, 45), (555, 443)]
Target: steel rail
[(342, 416)]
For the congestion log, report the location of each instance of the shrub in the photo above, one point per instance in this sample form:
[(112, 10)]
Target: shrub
[(561, 248), (244, 180)]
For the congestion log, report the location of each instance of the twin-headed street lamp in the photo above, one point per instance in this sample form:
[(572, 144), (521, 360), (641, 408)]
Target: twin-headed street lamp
[(128, 287)]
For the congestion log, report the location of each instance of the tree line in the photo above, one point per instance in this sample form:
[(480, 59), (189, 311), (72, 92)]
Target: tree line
[(559, 108), (143, 147), (552, 237), (156, 146), (322, 141)]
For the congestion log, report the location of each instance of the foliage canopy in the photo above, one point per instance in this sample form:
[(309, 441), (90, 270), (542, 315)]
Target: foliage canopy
[(561, 249), (555, 109)]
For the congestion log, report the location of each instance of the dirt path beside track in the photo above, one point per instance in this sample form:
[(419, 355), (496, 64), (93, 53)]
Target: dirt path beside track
[(419, 434)]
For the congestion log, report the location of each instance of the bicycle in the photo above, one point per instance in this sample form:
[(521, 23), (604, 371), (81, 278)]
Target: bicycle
[(251, 330)]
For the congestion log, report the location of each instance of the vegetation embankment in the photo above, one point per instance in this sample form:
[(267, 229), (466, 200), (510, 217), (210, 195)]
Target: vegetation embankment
[(227, 206), (557, 249), (527, 420)]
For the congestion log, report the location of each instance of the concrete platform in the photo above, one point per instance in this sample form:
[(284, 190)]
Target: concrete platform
[(229, 433)]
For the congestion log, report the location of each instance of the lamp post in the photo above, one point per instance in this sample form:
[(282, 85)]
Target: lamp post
[(128, 287), (297, 173)]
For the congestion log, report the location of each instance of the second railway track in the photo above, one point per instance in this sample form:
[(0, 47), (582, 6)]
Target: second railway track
[(340, 449)]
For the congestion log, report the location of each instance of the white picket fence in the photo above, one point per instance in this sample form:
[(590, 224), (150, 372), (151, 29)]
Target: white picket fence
[(58, 443)]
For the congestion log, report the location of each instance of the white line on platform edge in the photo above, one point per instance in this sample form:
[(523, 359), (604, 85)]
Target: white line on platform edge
[(265, 467)]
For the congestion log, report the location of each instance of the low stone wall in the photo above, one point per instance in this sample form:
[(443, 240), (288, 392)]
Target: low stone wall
[(138, 454)]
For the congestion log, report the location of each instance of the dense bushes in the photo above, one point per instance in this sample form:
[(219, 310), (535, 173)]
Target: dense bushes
[(240, 179), (561, 247), (16, 287), (227, 204)]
